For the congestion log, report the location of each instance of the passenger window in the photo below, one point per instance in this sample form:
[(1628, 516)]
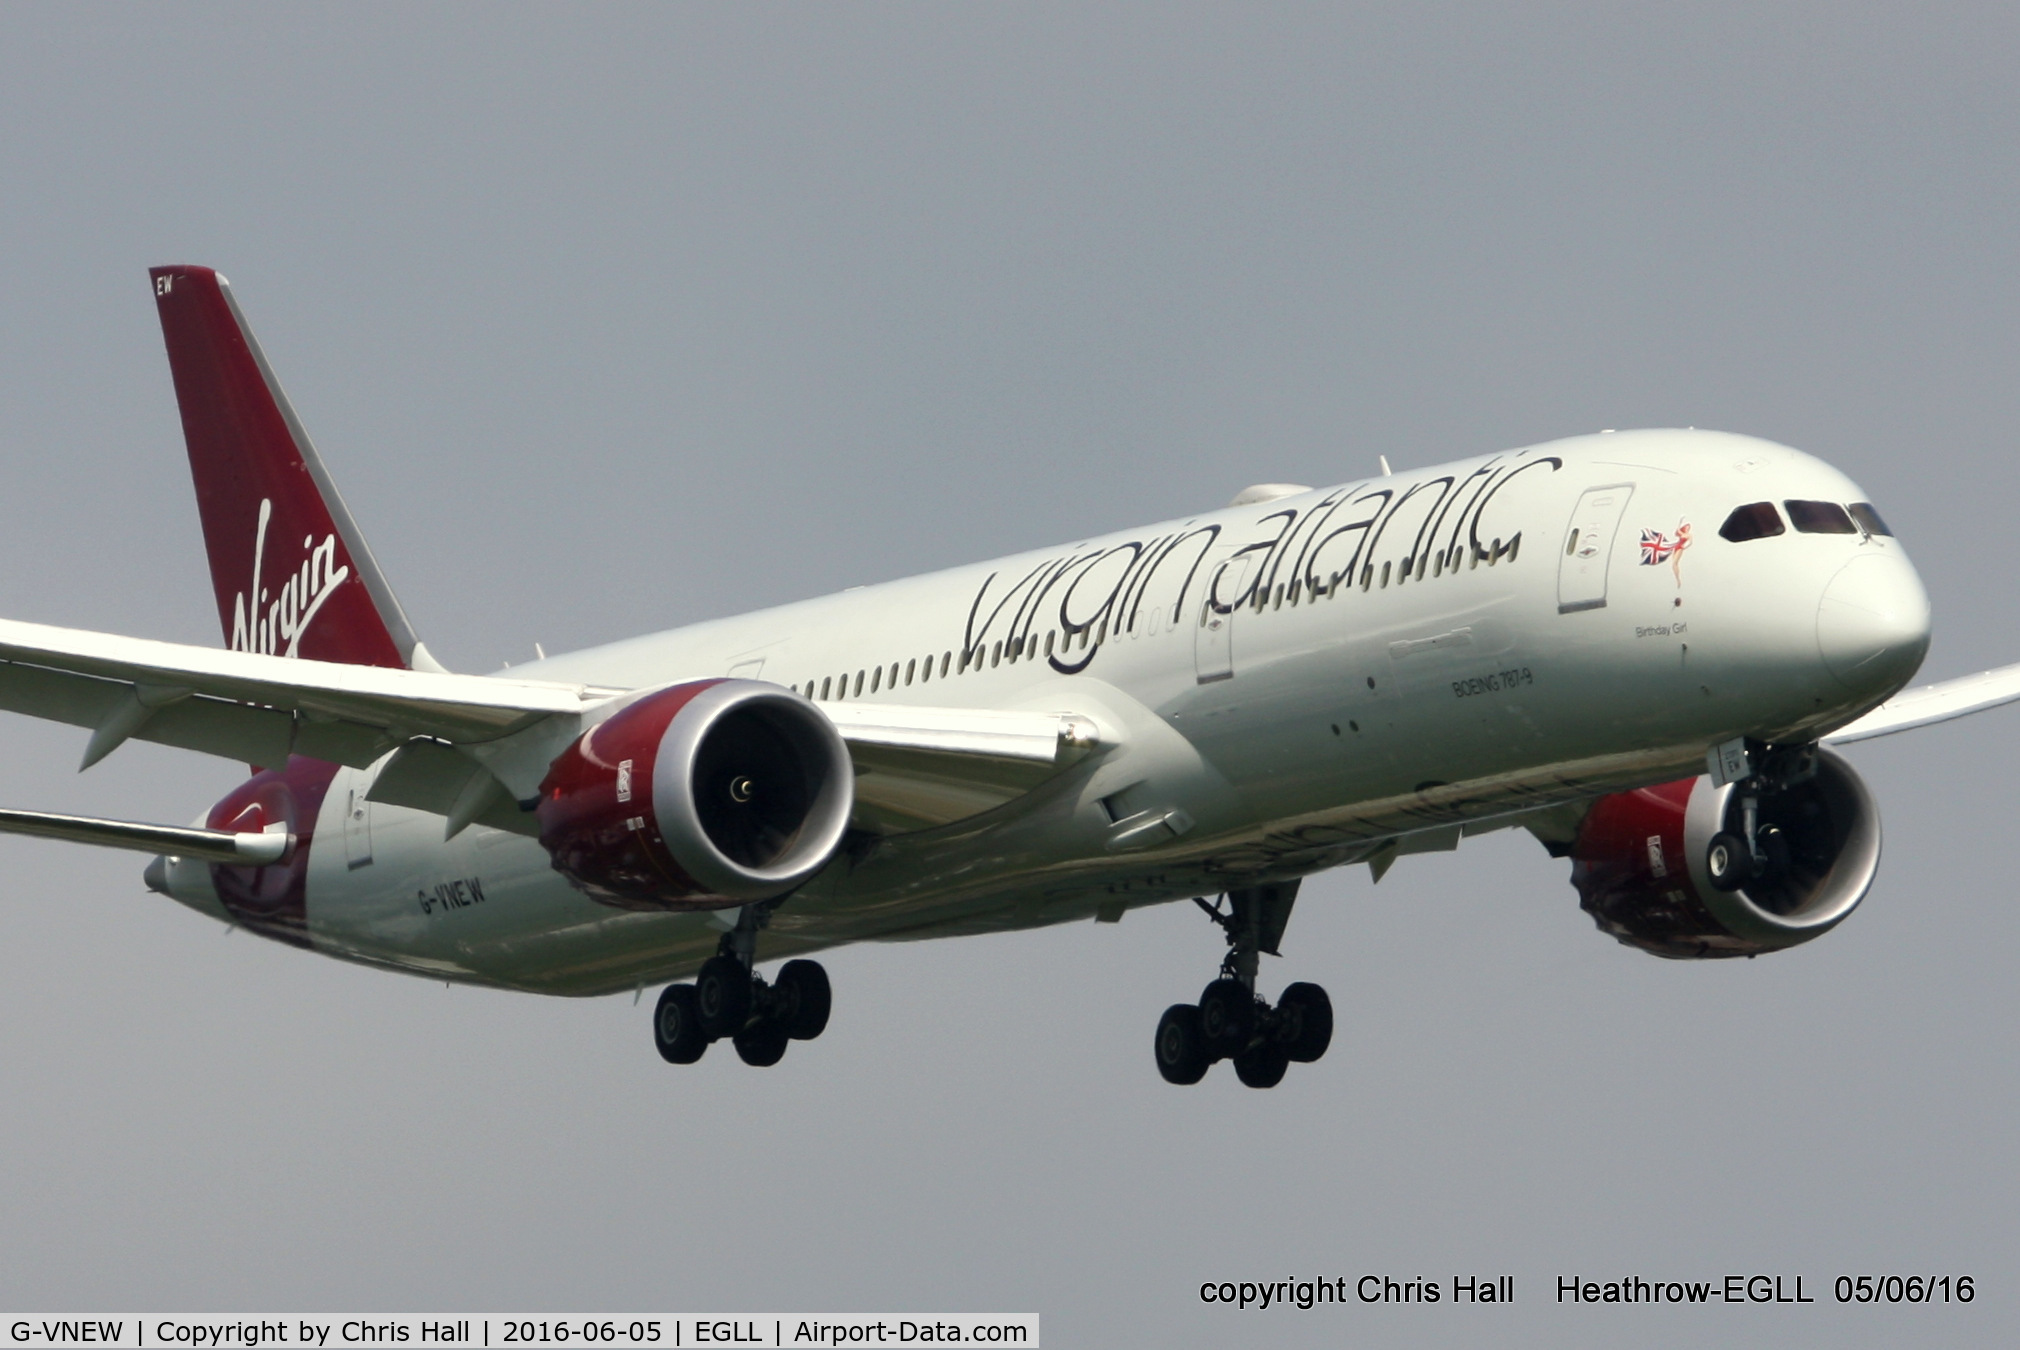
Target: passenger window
[(859, 684), (1864, 513), (876, 678), (946, 659), (1758, 521), (911, 669), (824, 691), (1820, 518)]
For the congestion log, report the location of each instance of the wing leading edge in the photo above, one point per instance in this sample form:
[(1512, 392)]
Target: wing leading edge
[(1932, 703)]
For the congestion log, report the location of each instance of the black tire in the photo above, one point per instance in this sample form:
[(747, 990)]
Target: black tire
[(801, 999), (676, 1026), (1226, 1017), (1728, 863), (761, 1044), (722, 992), (1182, 1055), (1262, 1066), (1304, 1022)]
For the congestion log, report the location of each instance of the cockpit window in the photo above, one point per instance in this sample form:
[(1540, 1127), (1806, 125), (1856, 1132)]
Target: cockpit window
[(1869, 519), (1820, 518), (1758, 521)]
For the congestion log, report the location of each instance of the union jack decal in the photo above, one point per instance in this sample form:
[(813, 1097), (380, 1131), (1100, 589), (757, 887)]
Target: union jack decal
[(1658, 548)]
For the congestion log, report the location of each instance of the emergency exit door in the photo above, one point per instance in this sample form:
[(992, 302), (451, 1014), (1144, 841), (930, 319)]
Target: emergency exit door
[(1213, 642)]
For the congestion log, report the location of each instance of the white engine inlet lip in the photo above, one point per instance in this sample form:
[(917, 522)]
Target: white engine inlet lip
[(1850, 877), (673, 798)]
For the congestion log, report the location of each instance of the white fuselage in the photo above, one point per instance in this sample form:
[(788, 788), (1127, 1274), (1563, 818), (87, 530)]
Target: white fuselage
[(1282, 687)]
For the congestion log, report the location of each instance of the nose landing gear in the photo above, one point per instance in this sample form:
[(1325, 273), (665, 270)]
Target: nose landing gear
[(1231, 1021), (730, 1000), (1758, 853)]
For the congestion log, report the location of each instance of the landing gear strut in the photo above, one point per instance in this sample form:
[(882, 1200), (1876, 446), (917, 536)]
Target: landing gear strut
[(1231, 1021), (1757, 853), (730, 1000)]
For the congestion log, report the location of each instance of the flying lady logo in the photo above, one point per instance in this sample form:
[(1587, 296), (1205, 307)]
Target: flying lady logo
[(1658, 548), (274, 621)]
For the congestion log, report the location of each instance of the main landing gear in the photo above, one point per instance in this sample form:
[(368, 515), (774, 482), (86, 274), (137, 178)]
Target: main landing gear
[(730, 999), (1231, 1021)]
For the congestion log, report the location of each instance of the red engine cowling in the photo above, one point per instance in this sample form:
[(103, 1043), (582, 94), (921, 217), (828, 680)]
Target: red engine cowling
[(699, 796), (1639, 864)]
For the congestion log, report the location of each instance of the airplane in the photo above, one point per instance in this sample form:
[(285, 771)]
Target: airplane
[(1640, 646)]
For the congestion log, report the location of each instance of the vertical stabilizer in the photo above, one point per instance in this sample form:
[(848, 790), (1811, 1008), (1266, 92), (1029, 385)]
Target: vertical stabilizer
[(293, 575)]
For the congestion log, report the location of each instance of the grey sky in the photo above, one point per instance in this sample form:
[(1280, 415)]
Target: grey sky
[(608, 319)]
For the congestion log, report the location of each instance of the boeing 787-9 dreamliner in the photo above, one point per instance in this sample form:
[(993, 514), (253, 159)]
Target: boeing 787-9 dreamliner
[(1638, 646)]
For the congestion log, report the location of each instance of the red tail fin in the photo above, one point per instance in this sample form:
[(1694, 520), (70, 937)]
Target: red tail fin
[(293, 575)]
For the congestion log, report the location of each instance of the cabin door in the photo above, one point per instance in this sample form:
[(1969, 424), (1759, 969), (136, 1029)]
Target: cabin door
[(1588, 547)]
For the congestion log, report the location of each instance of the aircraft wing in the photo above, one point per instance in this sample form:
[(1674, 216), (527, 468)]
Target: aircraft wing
[(916, 767), (1933, 703), (257, 708)]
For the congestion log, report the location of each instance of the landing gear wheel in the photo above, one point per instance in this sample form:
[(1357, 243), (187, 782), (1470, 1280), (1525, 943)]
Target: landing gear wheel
[(676, 1026), (761, 1044), (1226, 1016), (801, 999), (1728, 862), (1262, 1066), (1182, 1056), (722, 993), (1304, 1022)]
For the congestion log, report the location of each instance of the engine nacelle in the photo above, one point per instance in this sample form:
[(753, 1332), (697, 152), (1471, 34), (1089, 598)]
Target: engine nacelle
[(1639, 864), (699, 796)]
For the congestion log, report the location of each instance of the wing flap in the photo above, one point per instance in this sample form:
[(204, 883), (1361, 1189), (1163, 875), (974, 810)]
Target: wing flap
[(918, 767), (990, 733), (432, 776)]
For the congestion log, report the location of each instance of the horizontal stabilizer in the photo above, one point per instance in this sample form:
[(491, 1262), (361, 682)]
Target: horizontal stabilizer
[(248, 850)]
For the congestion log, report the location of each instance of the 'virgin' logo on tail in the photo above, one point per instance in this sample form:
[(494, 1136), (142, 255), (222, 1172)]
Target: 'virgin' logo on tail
[(273, 623)]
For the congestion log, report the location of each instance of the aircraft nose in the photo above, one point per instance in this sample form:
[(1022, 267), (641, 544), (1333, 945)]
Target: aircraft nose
[(1873, 623)]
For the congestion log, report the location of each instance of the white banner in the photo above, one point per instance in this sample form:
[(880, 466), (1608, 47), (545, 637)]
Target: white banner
[(495, 1331)]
